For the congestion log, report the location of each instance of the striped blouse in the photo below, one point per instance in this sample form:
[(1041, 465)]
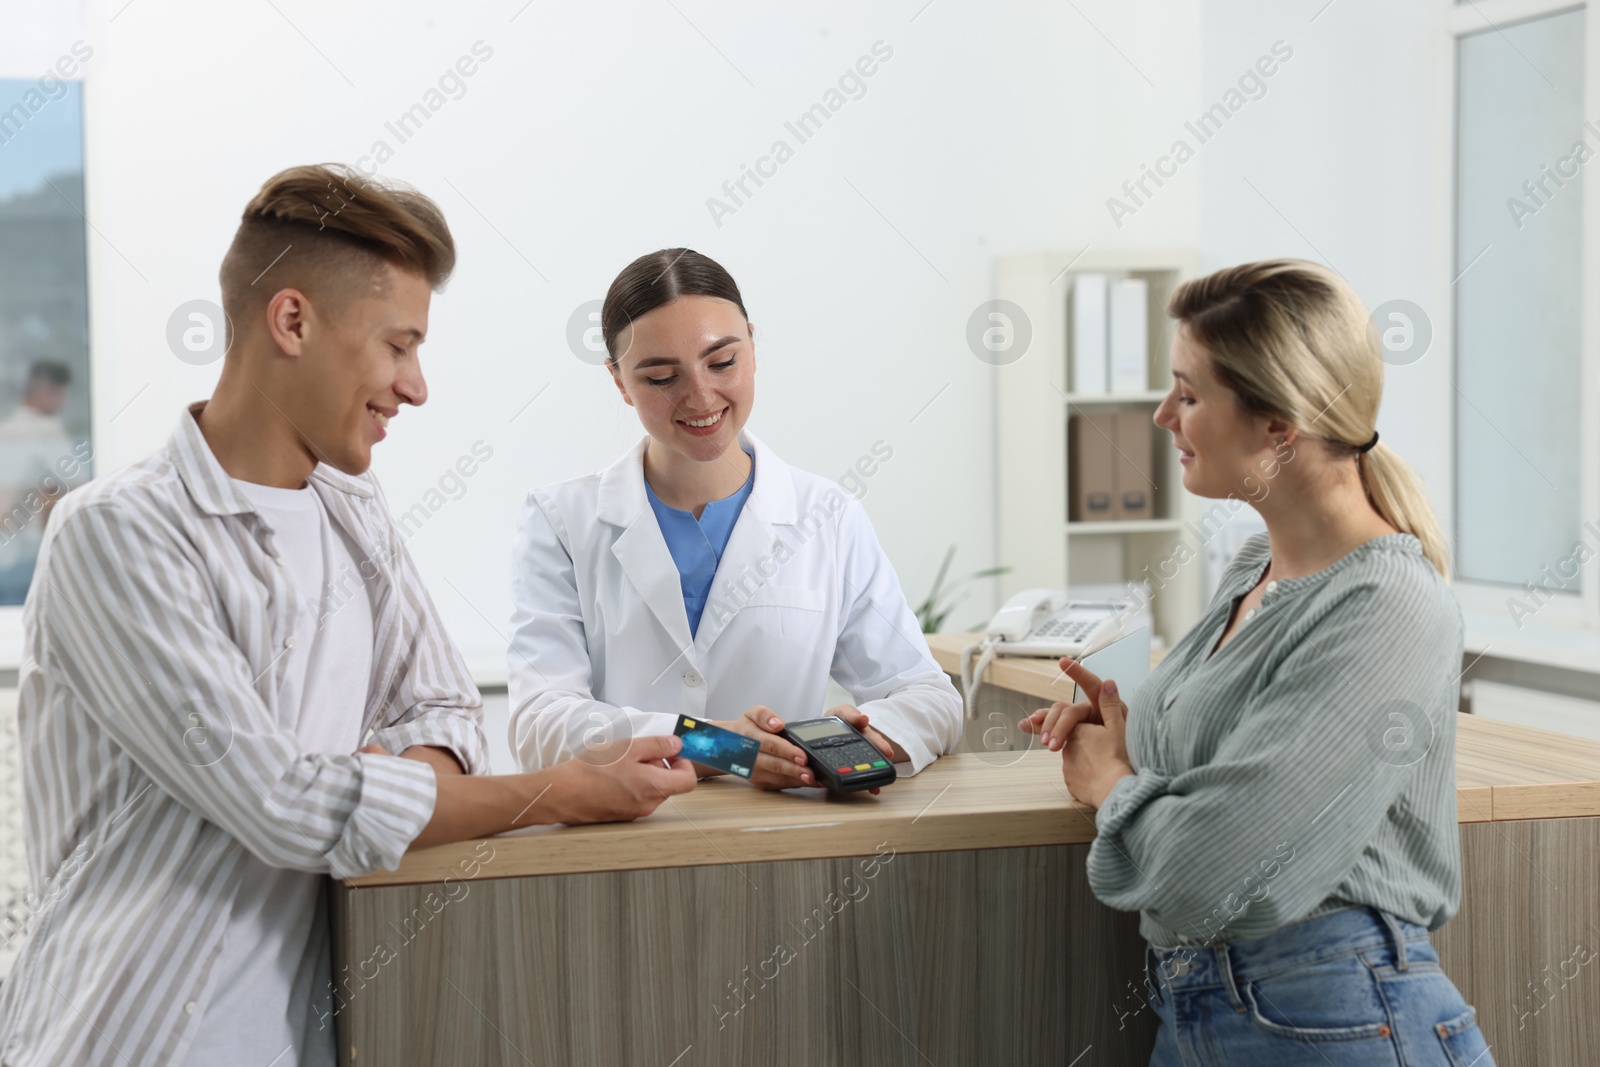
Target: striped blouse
[(1307, 765), (151, 755)]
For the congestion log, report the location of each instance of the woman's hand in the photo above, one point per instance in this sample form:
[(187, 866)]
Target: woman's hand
[(781, 764), (1095, 758), (1091, 735), (1055, 723)]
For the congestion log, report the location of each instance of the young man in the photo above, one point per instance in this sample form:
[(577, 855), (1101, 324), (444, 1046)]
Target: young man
[(213, 633)]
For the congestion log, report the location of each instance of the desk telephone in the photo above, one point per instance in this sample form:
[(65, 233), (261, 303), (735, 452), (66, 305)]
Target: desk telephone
[(1043, 622)]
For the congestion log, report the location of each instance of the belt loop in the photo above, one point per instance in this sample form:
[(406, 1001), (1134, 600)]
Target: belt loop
[(1153, 985), (1225, 968), (1397, 937)]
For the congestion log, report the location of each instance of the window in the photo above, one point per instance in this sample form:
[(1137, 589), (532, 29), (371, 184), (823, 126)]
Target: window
[(1523, 149), (45, 441)]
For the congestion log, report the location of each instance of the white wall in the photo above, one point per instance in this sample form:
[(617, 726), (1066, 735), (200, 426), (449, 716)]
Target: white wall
[(1345, 159), (596, 133)]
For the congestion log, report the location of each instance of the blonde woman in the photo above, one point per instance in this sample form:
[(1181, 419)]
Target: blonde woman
[(1277, 799)]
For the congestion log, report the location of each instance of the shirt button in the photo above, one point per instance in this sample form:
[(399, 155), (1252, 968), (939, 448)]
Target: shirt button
[(1250, 614), (288, 642), (1272, 587), (190, 1008), (691, 678)]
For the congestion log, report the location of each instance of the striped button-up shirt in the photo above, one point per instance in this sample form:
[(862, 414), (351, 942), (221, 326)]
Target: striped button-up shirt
[(1307, 765), (152, 751)]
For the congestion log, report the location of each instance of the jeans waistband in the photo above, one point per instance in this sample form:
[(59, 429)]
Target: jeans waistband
[(1337, 933)]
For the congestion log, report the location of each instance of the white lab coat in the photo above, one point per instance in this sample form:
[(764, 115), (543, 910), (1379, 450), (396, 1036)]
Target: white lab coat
[(600, 644)]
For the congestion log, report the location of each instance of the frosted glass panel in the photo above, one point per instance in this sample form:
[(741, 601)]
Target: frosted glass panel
[(1520, 147), (44, 318)]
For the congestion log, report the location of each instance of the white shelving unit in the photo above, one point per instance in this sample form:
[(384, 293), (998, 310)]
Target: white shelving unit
[(1032, 409)]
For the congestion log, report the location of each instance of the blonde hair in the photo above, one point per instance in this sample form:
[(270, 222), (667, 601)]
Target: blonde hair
[(1293, 341)]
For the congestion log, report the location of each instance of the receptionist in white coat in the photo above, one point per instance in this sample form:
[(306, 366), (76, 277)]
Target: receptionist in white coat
[(699, 573)]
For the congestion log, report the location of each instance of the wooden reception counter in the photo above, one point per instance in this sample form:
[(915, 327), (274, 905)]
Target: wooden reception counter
[(947, 921)]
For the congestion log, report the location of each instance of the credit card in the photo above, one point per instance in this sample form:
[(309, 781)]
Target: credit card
[(713, 746)]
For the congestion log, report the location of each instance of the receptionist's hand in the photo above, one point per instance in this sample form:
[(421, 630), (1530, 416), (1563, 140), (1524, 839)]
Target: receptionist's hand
[(858, 718), (781, 764)]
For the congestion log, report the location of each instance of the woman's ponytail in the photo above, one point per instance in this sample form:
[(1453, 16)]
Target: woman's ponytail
[(1396, 494)]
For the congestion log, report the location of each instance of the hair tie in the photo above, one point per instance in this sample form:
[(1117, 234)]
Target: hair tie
[(1370, 445)]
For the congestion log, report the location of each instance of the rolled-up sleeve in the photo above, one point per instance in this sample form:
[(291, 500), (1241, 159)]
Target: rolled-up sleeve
[(434, 701), (131, 628)]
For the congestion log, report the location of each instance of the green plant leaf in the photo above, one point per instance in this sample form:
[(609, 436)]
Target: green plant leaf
[(935, 609)]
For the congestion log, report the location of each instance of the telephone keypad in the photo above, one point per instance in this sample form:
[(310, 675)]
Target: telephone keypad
[(1066, 630)]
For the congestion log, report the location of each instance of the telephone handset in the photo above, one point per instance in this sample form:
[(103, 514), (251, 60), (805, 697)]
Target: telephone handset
[(1043, 622)]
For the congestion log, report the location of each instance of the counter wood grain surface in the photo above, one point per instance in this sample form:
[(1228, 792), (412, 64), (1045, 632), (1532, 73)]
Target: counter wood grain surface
[(946, 921), (970, 800)]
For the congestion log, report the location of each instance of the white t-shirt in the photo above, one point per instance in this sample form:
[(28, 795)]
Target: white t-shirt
[(270, 990)]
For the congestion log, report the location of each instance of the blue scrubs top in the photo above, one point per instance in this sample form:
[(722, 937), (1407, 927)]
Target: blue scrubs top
[(697, 544)]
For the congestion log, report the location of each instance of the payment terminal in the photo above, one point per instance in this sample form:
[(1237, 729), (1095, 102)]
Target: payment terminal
[(840, 757)]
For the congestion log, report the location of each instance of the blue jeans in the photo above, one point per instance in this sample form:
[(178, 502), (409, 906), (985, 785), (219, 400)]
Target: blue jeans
[(1354, 987)]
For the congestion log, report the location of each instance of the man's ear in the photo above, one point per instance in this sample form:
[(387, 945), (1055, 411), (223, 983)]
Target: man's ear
[(288, 314)]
